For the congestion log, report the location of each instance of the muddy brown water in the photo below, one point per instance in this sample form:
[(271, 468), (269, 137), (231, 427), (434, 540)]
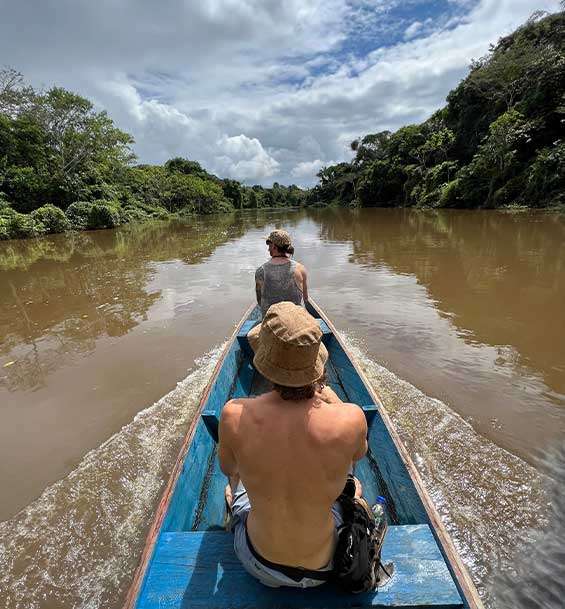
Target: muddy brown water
[(107, 339)]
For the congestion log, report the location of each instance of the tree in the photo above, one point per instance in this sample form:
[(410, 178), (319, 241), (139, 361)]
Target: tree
[(370, 148), (14, 94), (233, 192), (57, 152), (496, 156), (58, 143), (180, 165), (253, 199), (78, 136), (436, 147), (498, 138)]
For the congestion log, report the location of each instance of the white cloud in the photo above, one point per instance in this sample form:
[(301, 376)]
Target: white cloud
[(412, 30), (307, 170), (252, 88), (245, 158), (418, 28)]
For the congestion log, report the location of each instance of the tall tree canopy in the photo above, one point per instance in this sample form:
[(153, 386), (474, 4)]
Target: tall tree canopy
[(498, 141)]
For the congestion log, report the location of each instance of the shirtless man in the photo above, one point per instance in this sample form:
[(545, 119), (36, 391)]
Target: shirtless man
[(287, 454), (280, 278)]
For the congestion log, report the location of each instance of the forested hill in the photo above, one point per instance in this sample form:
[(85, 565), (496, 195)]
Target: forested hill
[(64, 165), (498, 142)]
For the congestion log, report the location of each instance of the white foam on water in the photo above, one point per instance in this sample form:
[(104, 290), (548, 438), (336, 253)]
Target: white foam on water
[(79, 543), (537, 579), (489, 499)]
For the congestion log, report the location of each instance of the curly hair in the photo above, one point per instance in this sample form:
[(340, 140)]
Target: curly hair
[(297, 394)]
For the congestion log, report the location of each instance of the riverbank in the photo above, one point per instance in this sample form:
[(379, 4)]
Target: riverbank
[(96, 215), (50, 220)]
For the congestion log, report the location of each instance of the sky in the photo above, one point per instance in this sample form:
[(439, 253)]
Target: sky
[(261, 91)]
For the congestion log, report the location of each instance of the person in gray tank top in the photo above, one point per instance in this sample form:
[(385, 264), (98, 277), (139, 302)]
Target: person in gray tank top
[(280, 278)]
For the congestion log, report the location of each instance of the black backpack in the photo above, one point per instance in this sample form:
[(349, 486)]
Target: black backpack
[(357, 565)]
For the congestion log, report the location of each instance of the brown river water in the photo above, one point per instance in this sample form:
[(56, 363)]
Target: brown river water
[(107, 339)]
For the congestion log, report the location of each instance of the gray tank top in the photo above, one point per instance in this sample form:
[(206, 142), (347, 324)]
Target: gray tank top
[(278, 284)]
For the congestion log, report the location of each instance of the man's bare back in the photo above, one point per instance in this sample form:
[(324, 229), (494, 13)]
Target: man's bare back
[(293, 458)]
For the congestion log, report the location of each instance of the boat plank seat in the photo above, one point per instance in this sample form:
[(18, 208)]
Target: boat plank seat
[(212, 419), (247, 325), (192, 570)]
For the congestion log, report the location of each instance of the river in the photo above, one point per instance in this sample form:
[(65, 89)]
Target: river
[(107, 339)]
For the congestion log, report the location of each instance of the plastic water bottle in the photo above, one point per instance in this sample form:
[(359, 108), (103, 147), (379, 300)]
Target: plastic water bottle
[(379, 514), (383, 571)]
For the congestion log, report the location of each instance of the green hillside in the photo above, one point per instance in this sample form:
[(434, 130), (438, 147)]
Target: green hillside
[(498, 142)]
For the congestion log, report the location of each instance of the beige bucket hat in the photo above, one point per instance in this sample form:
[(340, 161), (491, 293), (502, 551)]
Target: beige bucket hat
[(288, 346), (280, 238)]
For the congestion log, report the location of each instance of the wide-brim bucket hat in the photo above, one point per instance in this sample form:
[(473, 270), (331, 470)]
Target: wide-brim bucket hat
[(280, 238), (288, 346)]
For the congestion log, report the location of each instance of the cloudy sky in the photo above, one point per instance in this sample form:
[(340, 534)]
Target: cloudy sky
[(257, 90)]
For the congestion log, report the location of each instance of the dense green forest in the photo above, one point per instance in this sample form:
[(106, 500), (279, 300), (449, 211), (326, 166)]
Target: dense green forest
[(63, 165), (497, 143)]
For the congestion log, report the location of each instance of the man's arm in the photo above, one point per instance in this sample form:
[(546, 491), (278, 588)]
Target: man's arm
[(304, 285), (361, 429), (226, 454), (259, 277)]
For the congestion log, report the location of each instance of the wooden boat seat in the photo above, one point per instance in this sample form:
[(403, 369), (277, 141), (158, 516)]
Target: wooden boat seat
[(212, 421), (251, 323), (192, 570)]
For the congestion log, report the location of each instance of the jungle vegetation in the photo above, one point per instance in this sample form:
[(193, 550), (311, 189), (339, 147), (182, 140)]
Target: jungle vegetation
[(64, 165), (497, 143)]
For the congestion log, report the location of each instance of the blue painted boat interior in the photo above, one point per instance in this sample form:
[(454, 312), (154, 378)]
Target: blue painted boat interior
[(193, 563)]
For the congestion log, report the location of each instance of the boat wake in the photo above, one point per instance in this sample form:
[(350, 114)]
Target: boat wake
[(490, 500), (78, 544), (537, 580)]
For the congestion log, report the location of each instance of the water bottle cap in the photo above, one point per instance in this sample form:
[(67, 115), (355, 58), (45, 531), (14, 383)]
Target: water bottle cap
[(381, 500)]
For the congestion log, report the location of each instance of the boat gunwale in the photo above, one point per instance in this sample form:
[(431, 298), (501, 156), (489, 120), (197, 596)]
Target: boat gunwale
[(162, 508), (454, 559)]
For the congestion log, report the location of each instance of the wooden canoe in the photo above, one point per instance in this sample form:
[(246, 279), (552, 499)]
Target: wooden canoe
[(188, 561)]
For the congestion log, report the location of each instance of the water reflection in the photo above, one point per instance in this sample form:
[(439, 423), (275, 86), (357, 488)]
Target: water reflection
[(80, 287), (418, 286), (498, 277)]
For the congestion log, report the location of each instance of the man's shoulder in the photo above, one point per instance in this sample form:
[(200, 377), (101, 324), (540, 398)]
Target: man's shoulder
[(348, 409), (233, 406), (352, 426), (231, 411), (237, 405), (351, 416), (260, 270)]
